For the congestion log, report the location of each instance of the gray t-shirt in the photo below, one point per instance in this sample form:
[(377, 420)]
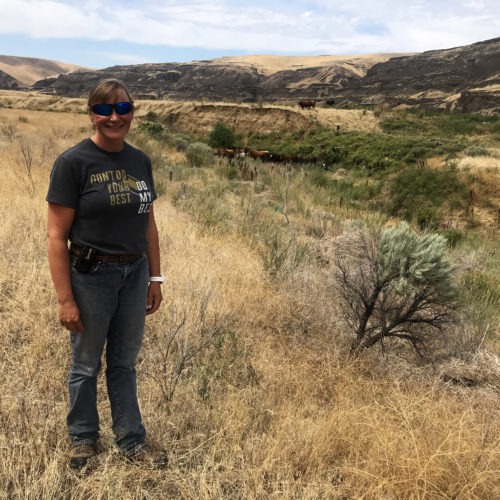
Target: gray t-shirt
[(112, 194)]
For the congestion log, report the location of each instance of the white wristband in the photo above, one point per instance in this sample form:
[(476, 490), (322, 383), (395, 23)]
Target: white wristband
[(158, 279)]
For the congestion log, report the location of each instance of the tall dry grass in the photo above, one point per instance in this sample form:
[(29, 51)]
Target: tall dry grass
[(268, 407)]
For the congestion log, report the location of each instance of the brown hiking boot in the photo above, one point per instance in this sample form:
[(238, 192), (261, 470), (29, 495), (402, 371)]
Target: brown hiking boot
[(149, 456), (80, 454)]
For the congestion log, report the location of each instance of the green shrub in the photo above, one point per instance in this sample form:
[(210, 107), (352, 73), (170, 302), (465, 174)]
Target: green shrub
[(477, 150), (422, 195), (199, 154), (151, 116), (153, 129), (222, 136), (332, 156), (180, 142)]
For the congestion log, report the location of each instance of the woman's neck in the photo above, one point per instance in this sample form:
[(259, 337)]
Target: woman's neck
[(107, 145)]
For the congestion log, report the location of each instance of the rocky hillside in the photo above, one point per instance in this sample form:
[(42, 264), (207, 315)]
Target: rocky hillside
[(245, 79), (458, 79), (463, 78)]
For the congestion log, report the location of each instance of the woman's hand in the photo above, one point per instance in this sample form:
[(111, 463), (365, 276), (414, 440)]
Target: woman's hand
[(69, 316), (154, 297)]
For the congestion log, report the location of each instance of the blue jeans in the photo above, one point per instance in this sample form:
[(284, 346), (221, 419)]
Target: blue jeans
[(112, 300)]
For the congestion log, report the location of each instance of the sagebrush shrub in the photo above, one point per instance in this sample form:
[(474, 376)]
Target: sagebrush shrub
[(199, 154), (394, 284)]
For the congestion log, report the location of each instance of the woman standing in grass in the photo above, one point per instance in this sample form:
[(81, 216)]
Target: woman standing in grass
[(100, 200)]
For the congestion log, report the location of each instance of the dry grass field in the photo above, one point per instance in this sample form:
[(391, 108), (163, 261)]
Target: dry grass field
[(271, 407)]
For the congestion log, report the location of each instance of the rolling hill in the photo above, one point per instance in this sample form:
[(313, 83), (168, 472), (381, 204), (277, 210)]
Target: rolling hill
[(25, 71)]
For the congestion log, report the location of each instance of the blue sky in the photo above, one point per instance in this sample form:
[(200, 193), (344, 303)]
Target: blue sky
[(102, 33)]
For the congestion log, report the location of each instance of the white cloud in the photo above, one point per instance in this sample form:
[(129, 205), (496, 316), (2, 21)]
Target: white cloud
[(474, 5), (325, 26)]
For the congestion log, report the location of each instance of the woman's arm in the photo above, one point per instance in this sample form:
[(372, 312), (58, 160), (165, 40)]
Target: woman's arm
[(153, 251), (59, 221)]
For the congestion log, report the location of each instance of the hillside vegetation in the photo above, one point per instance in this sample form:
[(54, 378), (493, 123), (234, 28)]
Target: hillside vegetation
[(246, 374)]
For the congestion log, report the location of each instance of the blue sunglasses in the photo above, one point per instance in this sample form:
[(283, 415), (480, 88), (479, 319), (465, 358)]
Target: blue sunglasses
[(121, 108)]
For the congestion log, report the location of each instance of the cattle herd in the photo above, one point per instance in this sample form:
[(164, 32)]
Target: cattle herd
[(238, 156), (235, 155)]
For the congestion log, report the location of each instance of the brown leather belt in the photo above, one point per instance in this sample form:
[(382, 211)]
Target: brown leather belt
[(110, 259)]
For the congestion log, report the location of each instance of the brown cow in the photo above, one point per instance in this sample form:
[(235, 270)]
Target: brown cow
[(228, 153), (307, 103), (258, 155)]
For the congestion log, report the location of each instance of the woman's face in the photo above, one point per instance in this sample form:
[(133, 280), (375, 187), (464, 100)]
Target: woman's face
[(110, 131)]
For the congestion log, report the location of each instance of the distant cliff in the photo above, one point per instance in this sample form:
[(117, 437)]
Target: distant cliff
[(463, 79)]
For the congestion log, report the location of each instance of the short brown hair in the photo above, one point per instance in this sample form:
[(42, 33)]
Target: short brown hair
[(105, 89)]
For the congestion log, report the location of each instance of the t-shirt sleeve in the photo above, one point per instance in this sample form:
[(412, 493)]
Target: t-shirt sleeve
[(65, 184)]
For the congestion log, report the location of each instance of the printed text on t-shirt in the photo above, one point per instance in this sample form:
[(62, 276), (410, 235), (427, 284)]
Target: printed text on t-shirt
[(122, 187)]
